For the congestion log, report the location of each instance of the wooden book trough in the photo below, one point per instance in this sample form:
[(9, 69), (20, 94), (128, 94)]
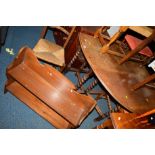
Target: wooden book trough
[(47, 91)]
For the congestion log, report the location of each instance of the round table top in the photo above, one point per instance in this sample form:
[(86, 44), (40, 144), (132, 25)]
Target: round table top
[(118, 79)]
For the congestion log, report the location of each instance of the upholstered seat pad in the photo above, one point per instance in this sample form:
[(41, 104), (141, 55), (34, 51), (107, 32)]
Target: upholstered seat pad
[(134, 42)]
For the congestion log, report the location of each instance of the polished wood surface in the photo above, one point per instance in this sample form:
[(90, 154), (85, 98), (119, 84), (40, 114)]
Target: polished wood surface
[(38, 106), (133, 121), (123, 120), (106, 125), (49, 86), (118, 79)]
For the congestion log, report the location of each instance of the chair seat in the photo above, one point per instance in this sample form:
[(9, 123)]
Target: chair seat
[(49, 52), (134, 42)]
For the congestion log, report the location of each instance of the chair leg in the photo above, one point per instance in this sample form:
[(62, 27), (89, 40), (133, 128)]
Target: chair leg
[(109, 104), (99, 111), (143, 82), (122, 29), (101, 114), (43, 32), (85, 78), (92, 85), (63, 69), (79, 83)]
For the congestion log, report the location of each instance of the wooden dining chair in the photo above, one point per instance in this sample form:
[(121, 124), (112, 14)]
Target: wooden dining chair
[(66, 52), (133, 42), (47, 91), (107, 42), (136, 45), (49, 51)]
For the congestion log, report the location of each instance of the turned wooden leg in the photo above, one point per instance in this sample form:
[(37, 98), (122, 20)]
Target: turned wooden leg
[(43, 32), (92, 85), (122, 29), (63, 69), (145, 81), (85, 78), (101, 114), (109, 104)]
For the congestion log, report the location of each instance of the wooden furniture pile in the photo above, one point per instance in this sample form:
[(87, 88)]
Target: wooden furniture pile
[(46, 90), (115, 66), (143, 117)]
